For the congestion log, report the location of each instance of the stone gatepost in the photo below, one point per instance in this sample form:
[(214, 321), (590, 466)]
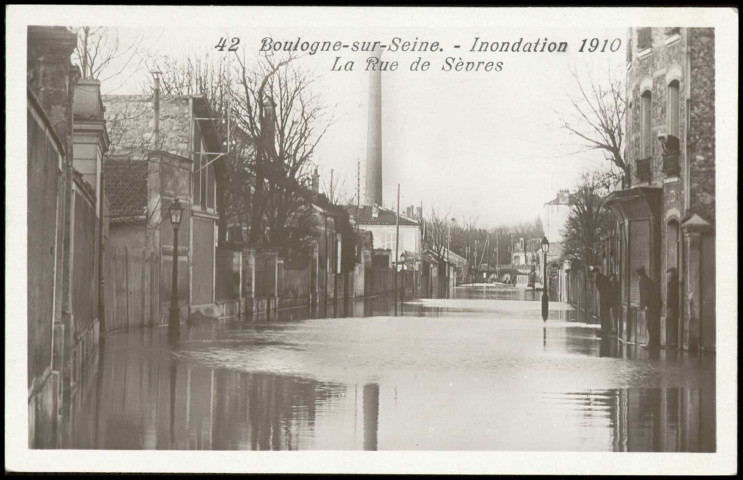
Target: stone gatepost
[(694, 228)]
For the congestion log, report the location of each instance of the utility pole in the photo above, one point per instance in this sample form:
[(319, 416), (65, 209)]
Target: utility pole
[(358, 208), (332, 199), (397, 243)]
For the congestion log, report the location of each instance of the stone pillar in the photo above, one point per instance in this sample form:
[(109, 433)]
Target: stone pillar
[(693, 230), (693, 291)]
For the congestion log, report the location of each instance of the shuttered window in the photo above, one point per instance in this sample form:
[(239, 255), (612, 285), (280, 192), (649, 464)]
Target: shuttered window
[(673, 109), (646, 103), (639, 255)]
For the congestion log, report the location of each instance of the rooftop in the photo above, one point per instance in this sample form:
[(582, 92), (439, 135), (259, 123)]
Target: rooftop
[(125, 184), (365, 216)]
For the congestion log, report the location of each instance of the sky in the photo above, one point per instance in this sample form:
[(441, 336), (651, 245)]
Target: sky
[(481, 145)]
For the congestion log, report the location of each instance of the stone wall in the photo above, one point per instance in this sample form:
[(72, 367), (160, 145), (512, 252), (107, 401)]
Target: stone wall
[(702, 123), (50, 79), (130, 120)]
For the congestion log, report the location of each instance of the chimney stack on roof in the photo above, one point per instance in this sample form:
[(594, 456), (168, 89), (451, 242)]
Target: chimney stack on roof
[(315, 181)]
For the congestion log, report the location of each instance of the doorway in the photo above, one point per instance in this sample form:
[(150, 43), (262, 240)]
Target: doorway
[(673, 312)]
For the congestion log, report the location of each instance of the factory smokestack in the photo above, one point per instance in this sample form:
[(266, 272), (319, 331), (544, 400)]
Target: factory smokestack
[(373, 192)]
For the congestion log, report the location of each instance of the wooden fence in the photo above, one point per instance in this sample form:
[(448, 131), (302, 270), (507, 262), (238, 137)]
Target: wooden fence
[(132, 288), (582, 294)]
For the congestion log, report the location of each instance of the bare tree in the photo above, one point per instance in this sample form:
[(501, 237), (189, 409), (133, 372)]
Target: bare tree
[(276, 106), (334, 188), (588, 221), (101, 55), (436, 239), (597, 119), (273, 121)]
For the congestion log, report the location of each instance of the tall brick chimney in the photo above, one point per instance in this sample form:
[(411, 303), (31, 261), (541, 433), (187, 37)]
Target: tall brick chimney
[(373, 191)]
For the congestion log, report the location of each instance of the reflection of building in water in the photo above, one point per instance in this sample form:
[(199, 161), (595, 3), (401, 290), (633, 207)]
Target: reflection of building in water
[(663, 420), (149, 403), (371, 416)]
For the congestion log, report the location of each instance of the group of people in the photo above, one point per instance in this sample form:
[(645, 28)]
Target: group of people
[(608, 289), (651, 303)]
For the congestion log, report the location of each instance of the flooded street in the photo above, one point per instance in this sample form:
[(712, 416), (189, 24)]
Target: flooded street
[(480, 371)]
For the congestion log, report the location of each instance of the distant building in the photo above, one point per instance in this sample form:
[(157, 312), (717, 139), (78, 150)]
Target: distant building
[(382, 223), (666, 217), (554, 215)]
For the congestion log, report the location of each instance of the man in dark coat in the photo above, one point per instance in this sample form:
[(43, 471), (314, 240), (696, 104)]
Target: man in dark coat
[(651, 303), (672, 307), (602, 286)]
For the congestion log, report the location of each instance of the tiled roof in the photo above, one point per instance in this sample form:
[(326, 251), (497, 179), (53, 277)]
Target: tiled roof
[(384, 217), (126, 187)]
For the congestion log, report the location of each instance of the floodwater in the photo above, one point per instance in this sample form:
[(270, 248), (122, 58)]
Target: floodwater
[(480, 371)]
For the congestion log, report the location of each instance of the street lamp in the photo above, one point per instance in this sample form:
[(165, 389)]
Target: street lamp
[(545, 297), (401, 267), (176, 213)]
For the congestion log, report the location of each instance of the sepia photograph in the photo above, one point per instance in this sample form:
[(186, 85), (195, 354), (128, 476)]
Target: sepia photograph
[(465, 237)]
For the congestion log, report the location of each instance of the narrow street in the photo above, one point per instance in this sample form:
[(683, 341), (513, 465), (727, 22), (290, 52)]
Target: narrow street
[(481, 370)]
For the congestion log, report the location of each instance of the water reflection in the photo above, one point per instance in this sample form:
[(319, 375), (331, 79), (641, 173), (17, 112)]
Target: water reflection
[(451, 374), (371, 415)]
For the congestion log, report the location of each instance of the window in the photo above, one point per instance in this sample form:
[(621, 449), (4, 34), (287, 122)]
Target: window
[(646, 102), (644, 38), (673, 109)]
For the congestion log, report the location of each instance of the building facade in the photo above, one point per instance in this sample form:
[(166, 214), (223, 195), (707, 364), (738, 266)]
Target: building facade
[(167, 148), (666, 213), (383, 224)]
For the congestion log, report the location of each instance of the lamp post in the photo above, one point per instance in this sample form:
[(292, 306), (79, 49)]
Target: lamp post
[(402, 267), (174, 324), (545, 297)]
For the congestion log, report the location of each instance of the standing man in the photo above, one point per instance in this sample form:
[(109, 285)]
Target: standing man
[(672, 308), (651, 303), (602, 287)]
